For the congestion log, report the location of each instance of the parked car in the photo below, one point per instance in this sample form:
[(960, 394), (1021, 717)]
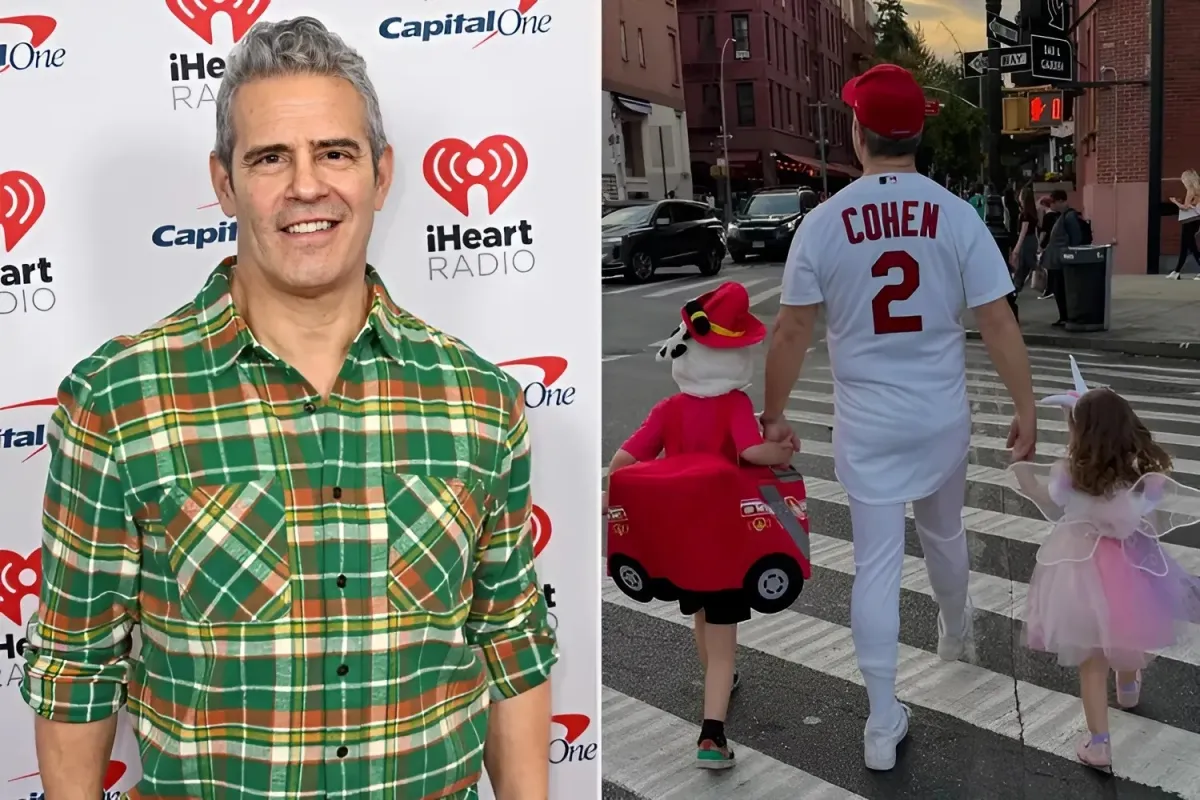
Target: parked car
[(766, 225), (637, 241), (608, 206)]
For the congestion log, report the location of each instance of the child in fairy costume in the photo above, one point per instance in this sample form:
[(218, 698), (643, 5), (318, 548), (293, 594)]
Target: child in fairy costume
[(712, 362), (1104, 594)]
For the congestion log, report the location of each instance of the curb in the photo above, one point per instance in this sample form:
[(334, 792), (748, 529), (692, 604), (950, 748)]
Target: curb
[(1133, 347)]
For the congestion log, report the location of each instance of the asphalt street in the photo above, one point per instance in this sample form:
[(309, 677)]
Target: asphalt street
[(1003, 726)]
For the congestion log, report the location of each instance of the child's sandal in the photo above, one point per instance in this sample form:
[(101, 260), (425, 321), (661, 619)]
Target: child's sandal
[(1129, 696)]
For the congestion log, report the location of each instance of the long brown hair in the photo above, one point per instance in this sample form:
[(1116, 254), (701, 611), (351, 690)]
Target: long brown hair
[(1029, 205), (1110, 447)]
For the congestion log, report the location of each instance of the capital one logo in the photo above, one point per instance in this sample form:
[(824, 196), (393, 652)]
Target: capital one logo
[(541, 378), (572, 746), (24, 53), (20, 577), (452, 167), (198, 15), (112, 776), (539, 522), (29, 440)]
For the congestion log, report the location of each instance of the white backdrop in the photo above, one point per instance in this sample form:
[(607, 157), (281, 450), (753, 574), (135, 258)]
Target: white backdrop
[(108, 222)]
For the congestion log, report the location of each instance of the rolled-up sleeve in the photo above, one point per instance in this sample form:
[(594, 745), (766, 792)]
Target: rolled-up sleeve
[(79, 642), (508, 619)]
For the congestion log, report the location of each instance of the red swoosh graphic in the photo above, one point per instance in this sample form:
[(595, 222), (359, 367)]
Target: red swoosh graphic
[(575, 724), (522, 8), (40, 28), (552, 367)]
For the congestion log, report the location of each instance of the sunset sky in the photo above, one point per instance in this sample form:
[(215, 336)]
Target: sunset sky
[(963, 17)]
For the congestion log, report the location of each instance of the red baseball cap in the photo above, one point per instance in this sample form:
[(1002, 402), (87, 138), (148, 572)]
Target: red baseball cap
[(887, 100)]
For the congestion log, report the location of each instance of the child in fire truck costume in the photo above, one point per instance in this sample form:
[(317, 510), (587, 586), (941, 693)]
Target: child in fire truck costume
[(712, 362)]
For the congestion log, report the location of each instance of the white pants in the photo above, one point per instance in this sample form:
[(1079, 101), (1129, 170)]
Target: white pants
[(879, 563)]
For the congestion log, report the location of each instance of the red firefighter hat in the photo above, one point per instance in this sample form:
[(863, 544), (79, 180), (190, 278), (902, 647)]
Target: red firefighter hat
[(721, 318)]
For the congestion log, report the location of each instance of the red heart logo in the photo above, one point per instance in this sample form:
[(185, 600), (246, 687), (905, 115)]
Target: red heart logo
[(198, 15), (15, 585), (498, 163), (541, 530), (22, 201)]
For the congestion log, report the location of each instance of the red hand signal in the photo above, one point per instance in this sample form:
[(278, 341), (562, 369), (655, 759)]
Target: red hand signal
[(1036, 107)]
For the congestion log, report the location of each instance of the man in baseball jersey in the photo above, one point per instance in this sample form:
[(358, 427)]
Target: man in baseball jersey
[(895, 260)]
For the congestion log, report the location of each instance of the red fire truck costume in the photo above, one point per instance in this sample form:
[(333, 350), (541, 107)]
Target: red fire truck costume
[(697, 526)]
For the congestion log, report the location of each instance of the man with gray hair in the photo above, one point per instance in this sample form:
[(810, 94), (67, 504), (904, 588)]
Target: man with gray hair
[(895, 260), (315, 505)]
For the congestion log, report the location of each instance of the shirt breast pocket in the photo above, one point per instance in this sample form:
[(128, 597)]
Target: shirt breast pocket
[(433, 525), (227, 546)]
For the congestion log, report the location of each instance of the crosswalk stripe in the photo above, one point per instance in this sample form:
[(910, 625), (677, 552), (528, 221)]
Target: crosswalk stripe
[(1088, 358), (686, 287), (1145, 751), (667, 771), (765, 295)]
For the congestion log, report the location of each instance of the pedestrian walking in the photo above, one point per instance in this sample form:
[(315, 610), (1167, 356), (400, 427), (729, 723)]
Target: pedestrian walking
[(1023, 259), (902, 423), (712, 363), (1104, 593), (1067, 232), (978, 201), (1189, 227)]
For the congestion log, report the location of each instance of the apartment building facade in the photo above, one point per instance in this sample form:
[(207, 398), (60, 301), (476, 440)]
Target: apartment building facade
[(644, 134), (785, 62)]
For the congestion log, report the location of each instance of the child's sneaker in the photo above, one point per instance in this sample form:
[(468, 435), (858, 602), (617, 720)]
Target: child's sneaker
[(710, 755), (1095, 751), (952, 647), (879, 747), (1129, 696)]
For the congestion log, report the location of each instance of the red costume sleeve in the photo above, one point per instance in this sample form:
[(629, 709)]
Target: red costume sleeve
[(647, 441), (743, 424)]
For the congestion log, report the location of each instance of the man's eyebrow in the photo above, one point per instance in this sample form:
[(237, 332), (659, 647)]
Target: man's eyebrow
[(255, 153)]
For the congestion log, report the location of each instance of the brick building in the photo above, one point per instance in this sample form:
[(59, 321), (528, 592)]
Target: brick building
[(1111, 124), (785, 61), (644, 136)]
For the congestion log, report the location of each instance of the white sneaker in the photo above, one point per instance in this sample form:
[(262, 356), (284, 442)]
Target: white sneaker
[(879, 749), (953, 647), (1174, 276)]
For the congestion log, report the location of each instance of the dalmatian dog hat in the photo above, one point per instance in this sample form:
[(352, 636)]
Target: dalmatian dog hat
[(1067, 400), (710, 351)]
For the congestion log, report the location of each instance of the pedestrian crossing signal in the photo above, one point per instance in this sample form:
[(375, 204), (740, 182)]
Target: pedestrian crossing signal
[(1045, 109)]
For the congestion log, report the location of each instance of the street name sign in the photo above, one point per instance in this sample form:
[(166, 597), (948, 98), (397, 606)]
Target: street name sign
[(1052, 59), (1012, 59)]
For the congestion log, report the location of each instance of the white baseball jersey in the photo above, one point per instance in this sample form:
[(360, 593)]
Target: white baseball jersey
[(895, 259)]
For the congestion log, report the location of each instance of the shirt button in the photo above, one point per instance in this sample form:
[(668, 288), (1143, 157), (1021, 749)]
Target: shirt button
[(309, 408), (343, 669), (342, 751), (341, 583), (337, 492)]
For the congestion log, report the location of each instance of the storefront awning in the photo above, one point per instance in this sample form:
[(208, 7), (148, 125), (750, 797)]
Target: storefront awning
[(635, 105), (808, 162), (845, 169), (831, 167), (741, 156)]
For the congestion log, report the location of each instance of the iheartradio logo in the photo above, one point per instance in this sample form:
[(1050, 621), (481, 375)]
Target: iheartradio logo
[(198, 15), (498, 164), (539, 522), (20, 577), (22, 201)]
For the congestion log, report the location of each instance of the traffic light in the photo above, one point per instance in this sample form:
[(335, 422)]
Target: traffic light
[(1045, 109)]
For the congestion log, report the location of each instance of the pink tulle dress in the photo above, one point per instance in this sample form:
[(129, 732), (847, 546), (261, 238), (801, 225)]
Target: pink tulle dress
[(1103, 585)]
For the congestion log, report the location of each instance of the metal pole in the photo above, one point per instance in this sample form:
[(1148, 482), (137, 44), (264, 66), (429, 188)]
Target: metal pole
[(821, 134), (1155, 172), (993, 103), (725, 140), (662, 158)]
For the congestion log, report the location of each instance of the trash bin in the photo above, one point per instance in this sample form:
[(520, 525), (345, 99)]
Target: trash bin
[(1087, 281)]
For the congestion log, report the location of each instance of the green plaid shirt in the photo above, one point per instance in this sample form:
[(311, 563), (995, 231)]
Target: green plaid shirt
[(330, 593)]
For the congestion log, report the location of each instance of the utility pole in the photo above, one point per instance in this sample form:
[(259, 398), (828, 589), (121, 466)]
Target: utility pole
[(821, 134), (1157, 70), (725, 140), (994, 107)]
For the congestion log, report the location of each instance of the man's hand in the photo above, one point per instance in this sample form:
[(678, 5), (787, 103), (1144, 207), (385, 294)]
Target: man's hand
[(1022, 438), (780, 431)]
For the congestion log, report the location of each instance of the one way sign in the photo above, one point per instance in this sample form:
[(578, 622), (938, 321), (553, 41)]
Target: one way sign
[(1012, 59), (1001, 31)]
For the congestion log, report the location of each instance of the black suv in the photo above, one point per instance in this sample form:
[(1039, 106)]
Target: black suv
[(637, 240), (766, 225)]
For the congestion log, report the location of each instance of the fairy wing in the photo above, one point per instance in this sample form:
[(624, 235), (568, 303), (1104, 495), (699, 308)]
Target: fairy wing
[(1165, 504), (1045, 485)]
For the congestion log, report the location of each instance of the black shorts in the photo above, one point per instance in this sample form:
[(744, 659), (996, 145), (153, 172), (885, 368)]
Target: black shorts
[(720, 608)]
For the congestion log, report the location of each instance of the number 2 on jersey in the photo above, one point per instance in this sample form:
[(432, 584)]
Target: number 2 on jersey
[(881, 312)]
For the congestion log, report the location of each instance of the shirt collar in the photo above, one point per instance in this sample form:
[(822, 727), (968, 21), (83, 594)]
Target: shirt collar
[(226, 336)]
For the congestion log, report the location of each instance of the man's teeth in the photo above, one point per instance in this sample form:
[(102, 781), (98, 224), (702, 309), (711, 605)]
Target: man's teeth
[(310, 227)]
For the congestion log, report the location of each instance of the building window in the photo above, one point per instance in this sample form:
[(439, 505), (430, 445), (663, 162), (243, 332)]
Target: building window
[(771, 92), (741, 33), (708, 31), (635, 159), (784, 50), (767, 35), (804, 58), (674, 57), (624, 44), (641, 49), (791, 99), (796, 54), (710, 101), (745, 104)]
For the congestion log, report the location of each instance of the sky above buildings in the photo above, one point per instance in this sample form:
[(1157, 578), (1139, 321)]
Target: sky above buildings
[(963, 18)]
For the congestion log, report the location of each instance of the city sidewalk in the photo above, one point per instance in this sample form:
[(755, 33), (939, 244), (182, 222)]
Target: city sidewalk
[(1151, 316)]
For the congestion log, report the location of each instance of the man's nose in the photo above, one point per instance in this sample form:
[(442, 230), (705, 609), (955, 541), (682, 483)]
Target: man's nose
[(307, 183)]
